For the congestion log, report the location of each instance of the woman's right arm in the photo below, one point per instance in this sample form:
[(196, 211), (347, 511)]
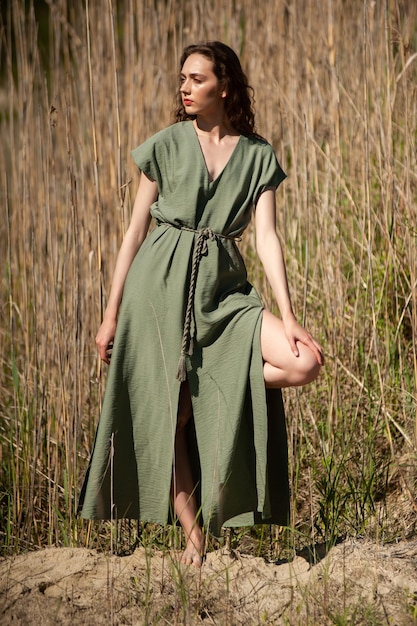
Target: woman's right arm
[(133, 239)]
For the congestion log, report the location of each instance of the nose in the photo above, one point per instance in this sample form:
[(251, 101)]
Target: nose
[(185, 86)]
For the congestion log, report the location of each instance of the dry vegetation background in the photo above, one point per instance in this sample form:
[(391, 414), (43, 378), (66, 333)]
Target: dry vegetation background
[(81, 84)]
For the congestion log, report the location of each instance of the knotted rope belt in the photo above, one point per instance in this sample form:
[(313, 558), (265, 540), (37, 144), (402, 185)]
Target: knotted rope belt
[(200, 250)]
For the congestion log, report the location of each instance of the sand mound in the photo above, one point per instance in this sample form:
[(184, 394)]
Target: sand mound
[(361, 583)]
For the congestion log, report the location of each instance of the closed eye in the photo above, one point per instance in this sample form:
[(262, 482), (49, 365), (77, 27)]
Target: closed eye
[(197, 78)]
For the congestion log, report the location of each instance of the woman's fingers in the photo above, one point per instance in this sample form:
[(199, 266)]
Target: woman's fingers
[(293, 345), (104, 343), (104, 356), (109, 351), (311, 343), (316, 349)]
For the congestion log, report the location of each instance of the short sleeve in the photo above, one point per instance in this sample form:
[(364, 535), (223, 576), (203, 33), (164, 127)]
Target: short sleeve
[(147, 158), (270, 173)]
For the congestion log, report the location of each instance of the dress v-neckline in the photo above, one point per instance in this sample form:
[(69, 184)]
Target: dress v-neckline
[(210, 179)]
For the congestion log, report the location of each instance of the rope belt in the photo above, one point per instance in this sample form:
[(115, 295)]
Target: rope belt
[(200, 250)]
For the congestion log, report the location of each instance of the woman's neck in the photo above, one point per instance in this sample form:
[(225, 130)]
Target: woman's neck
[(215, 128)]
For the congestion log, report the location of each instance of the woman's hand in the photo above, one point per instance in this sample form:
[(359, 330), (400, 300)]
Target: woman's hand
[(105, 337), (294, 332)]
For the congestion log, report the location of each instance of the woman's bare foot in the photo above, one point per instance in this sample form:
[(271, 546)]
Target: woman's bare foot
[(193, 553), (191, 556)]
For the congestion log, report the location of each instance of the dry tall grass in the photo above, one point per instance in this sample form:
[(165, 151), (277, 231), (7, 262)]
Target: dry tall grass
[(335, 87)]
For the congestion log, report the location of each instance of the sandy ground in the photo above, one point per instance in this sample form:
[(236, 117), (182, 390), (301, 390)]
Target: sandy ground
[(355, 583)]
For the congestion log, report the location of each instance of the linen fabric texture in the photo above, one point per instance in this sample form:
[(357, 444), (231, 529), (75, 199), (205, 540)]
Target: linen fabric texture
[(237, 437)]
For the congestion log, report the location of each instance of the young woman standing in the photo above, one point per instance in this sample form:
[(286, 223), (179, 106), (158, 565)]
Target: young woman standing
[(192, 425)]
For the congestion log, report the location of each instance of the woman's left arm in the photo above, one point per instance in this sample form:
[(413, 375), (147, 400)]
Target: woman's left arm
[(269, 251)]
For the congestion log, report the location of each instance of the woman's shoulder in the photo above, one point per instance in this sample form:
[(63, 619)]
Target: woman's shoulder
[(162, 142), (169, 132), (259, 147), (261, 156), (257, 142)]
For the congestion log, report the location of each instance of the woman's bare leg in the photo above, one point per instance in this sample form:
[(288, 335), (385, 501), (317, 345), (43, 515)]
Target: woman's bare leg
[(182, 488), (281, 367)]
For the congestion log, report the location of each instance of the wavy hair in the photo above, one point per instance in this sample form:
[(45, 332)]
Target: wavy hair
[(227, 68)]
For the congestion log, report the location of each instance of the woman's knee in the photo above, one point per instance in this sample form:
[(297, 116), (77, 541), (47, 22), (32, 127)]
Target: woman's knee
[(306, 366), (282, 367)]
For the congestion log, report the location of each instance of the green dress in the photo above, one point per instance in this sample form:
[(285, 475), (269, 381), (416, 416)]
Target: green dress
[(237, 438)]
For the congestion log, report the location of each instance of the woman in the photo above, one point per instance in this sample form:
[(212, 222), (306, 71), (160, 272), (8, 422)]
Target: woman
[(202, 439)]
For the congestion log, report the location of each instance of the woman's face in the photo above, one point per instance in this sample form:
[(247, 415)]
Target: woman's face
[(200, 89)]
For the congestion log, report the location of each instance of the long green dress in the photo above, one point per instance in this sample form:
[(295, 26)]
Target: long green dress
[(237, 437)]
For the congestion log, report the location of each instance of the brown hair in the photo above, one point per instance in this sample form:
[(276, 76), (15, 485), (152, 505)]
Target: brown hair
[(227, 68)]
